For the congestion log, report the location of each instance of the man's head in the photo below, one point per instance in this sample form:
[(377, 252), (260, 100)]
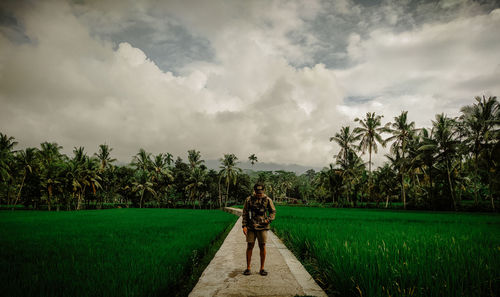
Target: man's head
[(259, 189)]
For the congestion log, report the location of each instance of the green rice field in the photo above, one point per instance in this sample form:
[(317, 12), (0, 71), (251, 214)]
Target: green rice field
[(116, 252), (358, 252)]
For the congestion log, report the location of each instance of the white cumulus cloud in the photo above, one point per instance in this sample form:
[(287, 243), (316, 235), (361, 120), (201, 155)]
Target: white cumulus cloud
[(85, 74)]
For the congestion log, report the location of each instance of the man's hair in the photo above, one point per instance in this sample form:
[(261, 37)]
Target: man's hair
[(259, 185)]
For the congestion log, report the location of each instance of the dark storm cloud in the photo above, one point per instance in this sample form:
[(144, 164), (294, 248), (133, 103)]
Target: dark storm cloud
[(337, 20), (12, 28), (166, 42)]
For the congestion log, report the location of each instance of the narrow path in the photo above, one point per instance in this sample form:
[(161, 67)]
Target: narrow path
[(224, 275)]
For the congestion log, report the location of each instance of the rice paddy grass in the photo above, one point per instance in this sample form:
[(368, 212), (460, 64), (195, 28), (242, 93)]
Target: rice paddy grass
[(358, 252), (116, 252)]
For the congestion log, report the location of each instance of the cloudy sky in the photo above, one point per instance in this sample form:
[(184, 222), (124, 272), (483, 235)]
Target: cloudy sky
[(274, 78)]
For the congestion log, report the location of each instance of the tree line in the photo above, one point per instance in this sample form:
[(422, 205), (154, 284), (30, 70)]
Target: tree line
[(450, 166), (456, 159)]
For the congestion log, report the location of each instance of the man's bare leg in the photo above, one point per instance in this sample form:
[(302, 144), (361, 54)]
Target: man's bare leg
[(250, 246), (262, 247)]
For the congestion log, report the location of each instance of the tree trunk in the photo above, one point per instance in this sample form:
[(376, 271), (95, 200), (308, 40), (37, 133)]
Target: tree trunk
[(370, 158), (431, 187), (79, 203), (220, 194), (402, 169), (20, 189), (490, 194), (140, 202), (80, 198), (8, 191), (355, 198), (100, 200), (450, 185), (403, 189), (476, 169), (49, 195), (227, 194), (369, 176), (349, 195)]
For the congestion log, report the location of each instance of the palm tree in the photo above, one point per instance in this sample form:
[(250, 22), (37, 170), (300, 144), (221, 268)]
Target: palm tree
[(478, 121), (6, 146), (196, 183), (345, 139), (265, 177), (369, 132), (229, 171), (352, 171), (105, 160), (425, 156), (6, 162), (253, 159), (159, 165), (385, 178), (84, 172), (142, 182), (49, 152), (72, 174), (416, 169), (169, 158), (141, 185), (50, 178), (80, 155), (142, 160), (284, 182), (104, 156), (402, 132), (27, 159), (76, 174), (90, 175), (194, 158), (331, 178), (161, 175), (445, 146)]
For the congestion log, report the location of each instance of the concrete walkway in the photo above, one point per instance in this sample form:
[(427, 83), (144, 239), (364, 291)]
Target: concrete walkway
[(224, 275)]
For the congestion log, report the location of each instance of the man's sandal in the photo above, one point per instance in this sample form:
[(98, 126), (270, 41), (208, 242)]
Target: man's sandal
[(246, 272), (263, 272)]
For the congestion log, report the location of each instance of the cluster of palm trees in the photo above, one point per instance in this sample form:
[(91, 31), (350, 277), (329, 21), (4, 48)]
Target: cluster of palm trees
[(441, 167), (45, 177), (456, 159)]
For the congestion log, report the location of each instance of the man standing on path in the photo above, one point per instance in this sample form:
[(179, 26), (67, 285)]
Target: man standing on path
[(255, 223)]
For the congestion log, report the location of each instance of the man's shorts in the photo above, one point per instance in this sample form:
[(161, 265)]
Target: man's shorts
[(260, 234)]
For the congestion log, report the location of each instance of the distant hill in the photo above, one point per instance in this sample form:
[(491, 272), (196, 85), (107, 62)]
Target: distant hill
[(246, 166), (298, 169)]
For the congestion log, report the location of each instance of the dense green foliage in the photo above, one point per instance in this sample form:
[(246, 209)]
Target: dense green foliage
[(443, 167), (45, 178), (118, 252), (355, 252)]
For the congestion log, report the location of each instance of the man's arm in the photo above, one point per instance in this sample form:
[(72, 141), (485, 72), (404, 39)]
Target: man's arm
[(244, 221), (272, 210)]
